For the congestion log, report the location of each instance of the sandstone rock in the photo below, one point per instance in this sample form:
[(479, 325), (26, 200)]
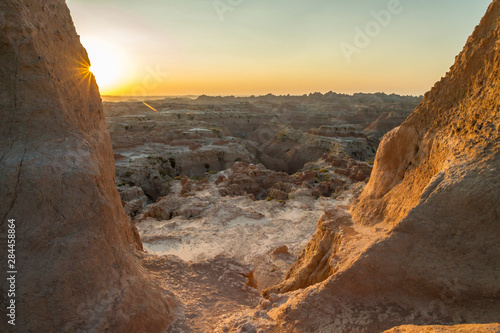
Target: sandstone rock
[(210, 290), (280, 250), (220, 180), (131, 193), (166, 208), (171, 206), (133, 207), (278, 194), (77, 269), (313, 265), (307, 176), (187, 187), (354, 170), (150, 180), (327, 188), (492, 328), (256, 180), (423, 244), (384, 124)]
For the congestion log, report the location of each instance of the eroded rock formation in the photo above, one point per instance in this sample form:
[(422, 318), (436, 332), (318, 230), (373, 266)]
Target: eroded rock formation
[(422, 246), (75, 253), (486, 328)]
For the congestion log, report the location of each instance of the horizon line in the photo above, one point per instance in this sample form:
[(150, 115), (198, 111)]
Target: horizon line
[(260, 95)]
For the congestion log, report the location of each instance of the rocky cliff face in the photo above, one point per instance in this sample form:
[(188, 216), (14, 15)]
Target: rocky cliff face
[(75, 262), (422, 246)]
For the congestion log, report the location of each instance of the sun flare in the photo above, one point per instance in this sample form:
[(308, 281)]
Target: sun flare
[(108, 64)]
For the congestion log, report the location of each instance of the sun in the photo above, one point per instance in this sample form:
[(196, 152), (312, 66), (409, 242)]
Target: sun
[(108, 64)]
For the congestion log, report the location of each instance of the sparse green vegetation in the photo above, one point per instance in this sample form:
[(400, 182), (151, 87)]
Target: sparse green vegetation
[(128, 174), (281, 136)]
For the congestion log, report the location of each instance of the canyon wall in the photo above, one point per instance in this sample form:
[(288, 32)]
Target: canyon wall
[(75, 247), (422, 246)]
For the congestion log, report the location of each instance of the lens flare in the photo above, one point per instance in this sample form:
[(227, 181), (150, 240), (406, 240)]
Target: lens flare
[(108, 64)]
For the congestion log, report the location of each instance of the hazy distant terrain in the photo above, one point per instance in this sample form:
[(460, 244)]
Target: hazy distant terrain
[(281, 132)]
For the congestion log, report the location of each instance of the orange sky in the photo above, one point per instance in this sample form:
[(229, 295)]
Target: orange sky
[(257, 47)]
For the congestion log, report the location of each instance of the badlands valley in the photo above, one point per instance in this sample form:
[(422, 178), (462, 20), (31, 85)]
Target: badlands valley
[(237, 185), (273, 214)]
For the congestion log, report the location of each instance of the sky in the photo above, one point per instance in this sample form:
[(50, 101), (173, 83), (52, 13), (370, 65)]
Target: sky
[(256, 47)]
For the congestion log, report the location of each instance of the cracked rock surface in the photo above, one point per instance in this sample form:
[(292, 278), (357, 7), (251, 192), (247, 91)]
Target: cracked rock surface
[(75, 245)]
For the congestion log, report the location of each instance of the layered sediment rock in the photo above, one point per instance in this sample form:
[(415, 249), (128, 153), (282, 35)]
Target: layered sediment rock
[(422, 247), (74, 250)]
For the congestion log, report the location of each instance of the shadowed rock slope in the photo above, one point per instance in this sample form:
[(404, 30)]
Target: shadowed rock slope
[(422, 246), (75, 246)]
